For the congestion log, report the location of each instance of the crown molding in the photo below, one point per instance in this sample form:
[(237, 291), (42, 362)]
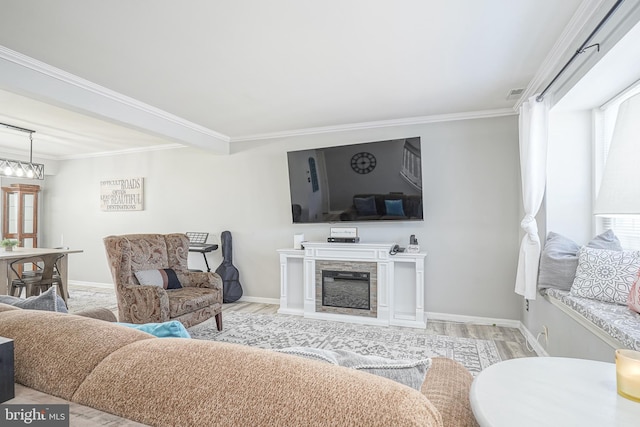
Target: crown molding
[(410, 121), (51, 72), (558, 54)]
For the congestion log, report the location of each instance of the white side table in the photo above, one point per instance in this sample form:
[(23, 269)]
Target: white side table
[(551, 391)]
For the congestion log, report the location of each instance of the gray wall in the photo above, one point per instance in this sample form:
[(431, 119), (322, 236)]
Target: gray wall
[(471, 208)]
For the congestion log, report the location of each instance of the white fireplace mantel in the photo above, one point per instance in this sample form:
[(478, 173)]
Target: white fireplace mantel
[(400, 285)]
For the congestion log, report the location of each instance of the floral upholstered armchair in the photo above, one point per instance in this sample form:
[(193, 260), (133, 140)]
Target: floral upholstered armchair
[(169, 291)]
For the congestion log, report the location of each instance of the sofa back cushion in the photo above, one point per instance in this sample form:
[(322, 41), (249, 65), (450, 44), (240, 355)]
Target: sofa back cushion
[(365, 206), (54, 352), (7, 307), (239, 385), (411, 204)]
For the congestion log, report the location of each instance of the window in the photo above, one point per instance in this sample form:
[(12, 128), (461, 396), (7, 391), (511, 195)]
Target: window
[(626, 228)]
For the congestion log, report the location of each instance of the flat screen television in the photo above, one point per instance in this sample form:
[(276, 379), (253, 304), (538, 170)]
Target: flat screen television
[(372, 181)]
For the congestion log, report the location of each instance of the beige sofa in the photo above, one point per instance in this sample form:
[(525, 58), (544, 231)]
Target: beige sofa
[(183, 382)]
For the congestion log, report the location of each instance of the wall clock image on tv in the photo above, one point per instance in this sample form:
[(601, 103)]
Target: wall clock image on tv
[(363, 162)]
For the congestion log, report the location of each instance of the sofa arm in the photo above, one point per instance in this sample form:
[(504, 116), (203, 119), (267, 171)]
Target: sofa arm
[(142, 304), (447, 386)]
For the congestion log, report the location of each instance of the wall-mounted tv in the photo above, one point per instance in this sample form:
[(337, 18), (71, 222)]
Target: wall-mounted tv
[(372, 181)]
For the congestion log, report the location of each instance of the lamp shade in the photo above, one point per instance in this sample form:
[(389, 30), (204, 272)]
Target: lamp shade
[(620, 188)]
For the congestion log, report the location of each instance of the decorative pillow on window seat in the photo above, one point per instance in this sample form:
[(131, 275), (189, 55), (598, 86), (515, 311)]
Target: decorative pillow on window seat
[(559, 258), (163, 277), (605, 275), (408, 372)]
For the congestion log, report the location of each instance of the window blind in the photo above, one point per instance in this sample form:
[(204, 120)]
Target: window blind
[(626, 228)]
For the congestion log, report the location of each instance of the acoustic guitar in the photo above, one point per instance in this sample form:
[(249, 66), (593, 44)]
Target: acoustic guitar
[(231, 288)]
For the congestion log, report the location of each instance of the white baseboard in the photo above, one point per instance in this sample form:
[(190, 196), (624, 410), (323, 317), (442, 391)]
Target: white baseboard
[(473, 319), (84, 283), (531, 340), (291, 311), (275, 301)]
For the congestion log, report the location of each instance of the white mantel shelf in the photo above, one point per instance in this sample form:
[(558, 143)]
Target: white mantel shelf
[(400, 282)]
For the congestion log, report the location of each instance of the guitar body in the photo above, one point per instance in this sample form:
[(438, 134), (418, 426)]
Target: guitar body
[(231, 287)]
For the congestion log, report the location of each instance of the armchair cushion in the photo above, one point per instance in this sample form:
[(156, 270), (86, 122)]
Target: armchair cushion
[(188, 299), (165, 278)]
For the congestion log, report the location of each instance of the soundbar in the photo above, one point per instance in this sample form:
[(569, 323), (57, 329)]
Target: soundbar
[(343, 239)]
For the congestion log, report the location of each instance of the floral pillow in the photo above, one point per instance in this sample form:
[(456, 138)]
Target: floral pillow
[(559, 258), (605, 275)]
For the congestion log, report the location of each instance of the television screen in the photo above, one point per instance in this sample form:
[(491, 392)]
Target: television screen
[(374, 181)]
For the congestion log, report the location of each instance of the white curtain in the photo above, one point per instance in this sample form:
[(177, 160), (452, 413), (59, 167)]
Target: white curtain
[(533, 169)]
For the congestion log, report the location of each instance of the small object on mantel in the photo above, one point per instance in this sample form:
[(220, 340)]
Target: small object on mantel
[(7, 386), (298, 239), (413, 247)]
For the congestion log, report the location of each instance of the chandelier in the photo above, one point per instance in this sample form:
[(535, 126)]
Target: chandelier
[(19, 168)]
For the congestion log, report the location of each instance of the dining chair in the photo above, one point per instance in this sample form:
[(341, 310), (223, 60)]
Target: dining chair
[(42, 277)]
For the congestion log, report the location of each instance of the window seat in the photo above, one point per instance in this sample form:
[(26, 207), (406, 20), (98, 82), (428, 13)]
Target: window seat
[(613, 323)]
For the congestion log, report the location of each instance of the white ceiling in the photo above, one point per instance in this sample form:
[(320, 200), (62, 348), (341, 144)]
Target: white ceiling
[(253, 68)]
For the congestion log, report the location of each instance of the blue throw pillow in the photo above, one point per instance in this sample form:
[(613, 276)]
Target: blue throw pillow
[(394, 207), (365, 206), (171, 329)]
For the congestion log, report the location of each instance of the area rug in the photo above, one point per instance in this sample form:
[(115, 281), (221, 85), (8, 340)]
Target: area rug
[(281, 331), (82, 300)]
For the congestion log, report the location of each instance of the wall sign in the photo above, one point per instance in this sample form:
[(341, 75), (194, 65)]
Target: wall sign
[(117, 195)]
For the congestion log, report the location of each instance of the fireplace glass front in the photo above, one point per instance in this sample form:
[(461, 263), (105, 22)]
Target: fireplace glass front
[(346, 289)]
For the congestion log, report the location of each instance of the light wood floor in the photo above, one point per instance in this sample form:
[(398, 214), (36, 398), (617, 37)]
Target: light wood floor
[(510, 342)]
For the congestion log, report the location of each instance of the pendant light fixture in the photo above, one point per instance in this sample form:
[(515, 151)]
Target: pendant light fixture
[(18, 168)]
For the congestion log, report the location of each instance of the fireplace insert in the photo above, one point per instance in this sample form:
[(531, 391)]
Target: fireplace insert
[(346, 289)]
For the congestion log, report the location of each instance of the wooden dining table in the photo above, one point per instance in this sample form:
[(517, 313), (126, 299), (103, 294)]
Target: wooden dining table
[(6, 257)]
